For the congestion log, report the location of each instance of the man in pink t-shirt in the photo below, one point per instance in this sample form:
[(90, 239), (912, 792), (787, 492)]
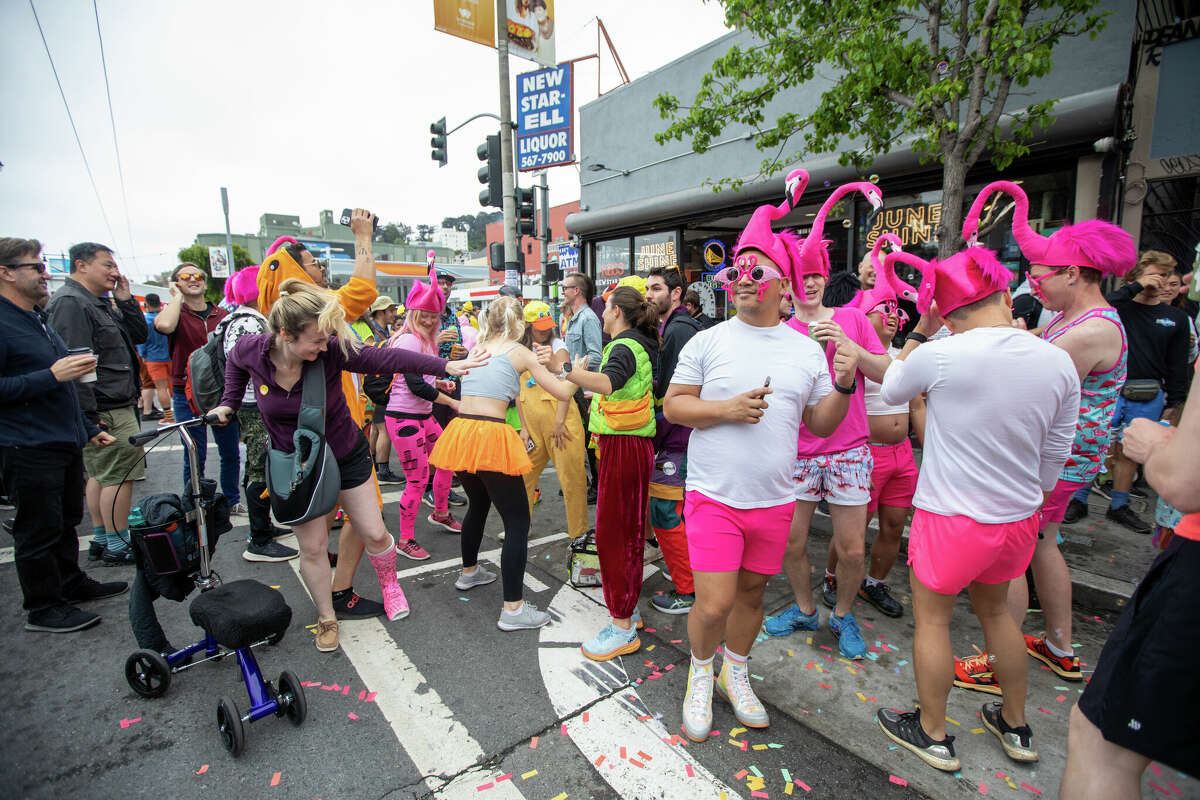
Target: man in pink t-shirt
[(836, 469)]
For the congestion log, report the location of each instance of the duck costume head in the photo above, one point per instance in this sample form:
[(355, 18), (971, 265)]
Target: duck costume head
[(279, 265)]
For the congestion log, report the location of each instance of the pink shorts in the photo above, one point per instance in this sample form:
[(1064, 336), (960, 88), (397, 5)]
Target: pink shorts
[(948, 554), (1055, 507), (725, 539), (894, 478)]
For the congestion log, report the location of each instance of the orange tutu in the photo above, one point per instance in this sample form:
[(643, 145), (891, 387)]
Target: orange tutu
[(478, 445)]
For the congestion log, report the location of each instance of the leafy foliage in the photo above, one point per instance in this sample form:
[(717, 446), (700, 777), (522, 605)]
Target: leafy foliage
[(938, 74), (198, 255)]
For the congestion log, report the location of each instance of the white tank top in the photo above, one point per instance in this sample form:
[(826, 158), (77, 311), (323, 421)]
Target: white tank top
[(875, 405)]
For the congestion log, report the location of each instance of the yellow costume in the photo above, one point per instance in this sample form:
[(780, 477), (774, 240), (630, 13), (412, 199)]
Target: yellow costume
[(540, 409)]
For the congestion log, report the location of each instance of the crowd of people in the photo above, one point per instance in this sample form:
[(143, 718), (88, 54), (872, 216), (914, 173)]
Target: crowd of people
[(720, 441)]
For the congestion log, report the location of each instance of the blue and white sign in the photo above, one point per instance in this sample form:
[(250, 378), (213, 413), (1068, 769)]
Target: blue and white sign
[(545, 118), (568, 259)]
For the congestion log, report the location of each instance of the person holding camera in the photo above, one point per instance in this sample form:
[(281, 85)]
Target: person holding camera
[(42, 433), (86, 316)]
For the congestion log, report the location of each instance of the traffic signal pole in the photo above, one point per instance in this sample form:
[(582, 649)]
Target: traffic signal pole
[(512, 269)]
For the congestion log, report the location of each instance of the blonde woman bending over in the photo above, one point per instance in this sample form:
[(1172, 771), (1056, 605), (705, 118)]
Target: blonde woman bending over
[(490, 459), (309, 331)]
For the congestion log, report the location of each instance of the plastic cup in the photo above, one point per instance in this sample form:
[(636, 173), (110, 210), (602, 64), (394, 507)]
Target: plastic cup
[(83, 351)]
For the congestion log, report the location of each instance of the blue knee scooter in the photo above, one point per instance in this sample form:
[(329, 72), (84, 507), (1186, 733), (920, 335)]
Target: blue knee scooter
[(235, 617)]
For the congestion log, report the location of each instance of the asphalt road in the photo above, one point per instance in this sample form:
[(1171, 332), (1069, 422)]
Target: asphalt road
[(440, 704)]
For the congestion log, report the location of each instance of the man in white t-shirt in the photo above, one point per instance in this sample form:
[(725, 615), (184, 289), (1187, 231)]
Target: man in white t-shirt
[(744, 387), (1001, 408)]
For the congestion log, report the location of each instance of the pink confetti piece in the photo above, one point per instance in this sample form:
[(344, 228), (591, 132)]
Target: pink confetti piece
[(1060, 698), (598, 761), (533, 743), (637, 763), (897, 781), (331, 688), (622, 752), (362, 694), (983, 788), (310, 683), (691, 773), (677, 641), (645, 756), (802, 785), (868, 625), (1025, 785), (715, 733), (370, 697), (669, 667), (346, 691), (1155, 769), (826, 647), (585, 716), (352, 715), (1158, 788), (824, 685), (1044, 711), (739, 775), (202, 770), (759, 794), (483, 787), (275, 778), (1175, 789), (651, 630), (505, 777), (125, 723), (1001, 775), (563, 729)]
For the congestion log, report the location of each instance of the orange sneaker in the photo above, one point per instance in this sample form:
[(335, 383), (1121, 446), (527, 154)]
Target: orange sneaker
[(1066, 667), (975, 672)]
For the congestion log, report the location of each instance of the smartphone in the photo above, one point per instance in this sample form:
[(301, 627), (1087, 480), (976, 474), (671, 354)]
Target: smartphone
[(529, 446), (767, 382), (345, 219)]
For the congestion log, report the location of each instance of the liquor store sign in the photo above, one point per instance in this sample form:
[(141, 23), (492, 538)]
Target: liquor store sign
[(545, 117)]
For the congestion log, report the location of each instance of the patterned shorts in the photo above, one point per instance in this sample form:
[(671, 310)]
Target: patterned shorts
[(254, 436), (842, 479)]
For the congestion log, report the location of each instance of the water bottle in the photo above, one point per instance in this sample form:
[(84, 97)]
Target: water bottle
[(136, 520)]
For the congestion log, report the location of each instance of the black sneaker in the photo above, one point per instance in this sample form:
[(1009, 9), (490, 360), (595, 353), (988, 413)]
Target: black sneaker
[(118, 558), (905, 730), (673, 602), (427, 499), (271, 551), (277, 531), (829, 591), (1017, 742), (91, 589), (155, 414), (881, 597), (1076, 510), (457, 499), (1103, 489), (95, 551), (60, 619), (348, 605), (1125, 516), (386, 475)]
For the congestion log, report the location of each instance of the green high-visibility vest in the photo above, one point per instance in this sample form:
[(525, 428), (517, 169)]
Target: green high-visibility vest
[(640, 385)]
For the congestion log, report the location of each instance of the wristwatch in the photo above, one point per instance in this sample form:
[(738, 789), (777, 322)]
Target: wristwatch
[(919, 338), (843, 389), (566, 367)]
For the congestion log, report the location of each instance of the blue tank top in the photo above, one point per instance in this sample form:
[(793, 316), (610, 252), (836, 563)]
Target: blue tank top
[(497, 379)]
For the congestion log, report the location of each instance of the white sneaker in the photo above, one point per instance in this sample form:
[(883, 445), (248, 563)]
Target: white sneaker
[(528, 616), (479, 577), (734, 685), (239, 509), (697, 703)]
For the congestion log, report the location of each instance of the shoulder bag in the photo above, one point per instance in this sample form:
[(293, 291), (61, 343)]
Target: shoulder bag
[(304, 484)]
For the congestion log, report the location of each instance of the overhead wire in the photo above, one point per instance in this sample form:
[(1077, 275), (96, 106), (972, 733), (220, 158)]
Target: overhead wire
[(71, 119), (116, 148)]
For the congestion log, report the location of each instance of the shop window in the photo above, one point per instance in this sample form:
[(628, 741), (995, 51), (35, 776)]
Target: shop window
[(612, 260), (655, 250)]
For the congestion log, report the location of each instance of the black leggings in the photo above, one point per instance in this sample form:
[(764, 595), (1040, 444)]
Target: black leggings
[(507, 494)]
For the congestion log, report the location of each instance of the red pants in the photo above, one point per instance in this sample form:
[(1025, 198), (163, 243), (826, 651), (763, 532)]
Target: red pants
[(622, 495), (666, 518)]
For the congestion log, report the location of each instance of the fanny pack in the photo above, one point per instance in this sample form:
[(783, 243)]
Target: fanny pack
[(1141, 391), (304, 484), (627, 415), (583, 562)]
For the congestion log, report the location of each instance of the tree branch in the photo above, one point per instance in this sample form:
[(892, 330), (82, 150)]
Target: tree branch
[(979, 75), (989, 126)]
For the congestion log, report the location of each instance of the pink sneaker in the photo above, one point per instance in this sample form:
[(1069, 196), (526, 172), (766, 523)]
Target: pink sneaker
[(410, 549), (446, 522), (394, 602)]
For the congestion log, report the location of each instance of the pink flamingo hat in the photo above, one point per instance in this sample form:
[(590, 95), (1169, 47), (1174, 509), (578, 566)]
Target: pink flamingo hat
[(1092, 243), (886, 281), (242, 286), (962, 279), (811, 255), (758, 235), (426, 297)]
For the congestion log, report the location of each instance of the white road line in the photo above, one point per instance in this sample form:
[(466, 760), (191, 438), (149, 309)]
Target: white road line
[(534, 585), (572, 682), (425, 727), (455, 563)]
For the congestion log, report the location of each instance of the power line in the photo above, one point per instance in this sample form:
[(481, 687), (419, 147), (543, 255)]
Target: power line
[(112, 119), (75, 130)]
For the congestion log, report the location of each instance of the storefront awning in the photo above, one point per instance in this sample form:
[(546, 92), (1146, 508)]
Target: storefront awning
[(1079, 119)]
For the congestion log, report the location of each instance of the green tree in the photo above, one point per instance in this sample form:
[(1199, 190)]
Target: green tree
[(198, 255), (394, 233), (424, 233), (938, 73)]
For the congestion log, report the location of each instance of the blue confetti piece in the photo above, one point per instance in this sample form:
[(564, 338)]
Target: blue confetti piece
[(897, 670), (873, 656), (465, 599)]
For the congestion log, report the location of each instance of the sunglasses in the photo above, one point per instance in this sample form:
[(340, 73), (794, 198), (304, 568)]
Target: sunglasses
[(37, 266), (191, 276), (1035, 284), (748, 266)]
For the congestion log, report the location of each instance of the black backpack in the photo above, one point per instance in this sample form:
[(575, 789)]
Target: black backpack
[(206, 369)]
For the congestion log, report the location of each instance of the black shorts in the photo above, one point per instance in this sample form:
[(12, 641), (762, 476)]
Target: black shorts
[(377, 413), (1145, 693), (357, 465)]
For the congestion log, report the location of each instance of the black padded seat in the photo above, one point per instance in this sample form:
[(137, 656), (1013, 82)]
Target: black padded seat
[(240, 613)]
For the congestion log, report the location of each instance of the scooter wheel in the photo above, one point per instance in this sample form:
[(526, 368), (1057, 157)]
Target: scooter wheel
[(148, 673), (292, 693), (229, 725)]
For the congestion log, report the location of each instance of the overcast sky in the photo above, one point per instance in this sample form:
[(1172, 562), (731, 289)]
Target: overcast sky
[(294, 106)]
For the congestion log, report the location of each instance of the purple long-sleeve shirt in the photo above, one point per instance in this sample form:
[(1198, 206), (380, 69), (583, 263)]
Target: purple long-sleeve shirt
[(250, 361)]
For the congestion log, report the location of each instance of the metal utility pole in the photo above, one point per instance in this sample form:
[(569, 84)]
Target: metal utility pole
[(228, 236), (544, 231), (512, 268)]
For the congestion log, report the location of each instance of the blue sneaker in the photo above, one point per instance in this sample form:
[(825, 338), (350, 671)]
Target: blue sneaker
[(791, 619), (611, 642), (850, 641)]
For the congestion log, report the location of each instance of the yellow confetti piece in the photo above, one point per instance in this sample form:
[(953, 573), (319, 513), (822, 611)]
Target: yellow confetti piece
[(651, 647), (851, 670), (787, 788), (754, 784), (862, 697), (791, 654), (758, 747), (736, 731), (527, 775), (808, 640), (976, 730), (954, 722), (560, 796)]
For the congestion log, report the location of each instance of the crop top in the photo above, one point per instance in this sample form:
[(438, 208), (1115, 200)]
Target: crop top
[(497, 379), (875, 405)]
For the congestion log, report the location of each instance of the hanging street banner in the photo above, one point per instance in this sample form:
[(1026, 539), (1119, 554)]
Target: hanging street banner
[(473, 20), (218, 262), (531, 30), (545, 118)]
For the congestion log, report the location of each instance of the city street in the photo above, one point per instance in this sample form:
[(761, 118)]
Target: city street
[(443, 704)]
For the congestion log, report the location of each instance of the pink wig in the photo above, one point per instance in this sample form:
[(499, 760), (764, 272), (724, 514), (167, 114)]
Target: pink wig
[(242, 286)]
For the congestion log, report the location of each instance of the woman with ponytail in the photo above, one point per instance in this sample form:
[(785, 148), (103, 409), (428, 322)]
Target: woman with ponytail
[(489, 458), (622, 416), (309, 331)]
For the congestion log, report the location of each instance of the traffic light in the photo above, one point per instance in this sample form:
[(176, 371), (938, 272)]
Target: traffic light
[(490, 174), (525, 212), (438, 141), (496, 256)]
